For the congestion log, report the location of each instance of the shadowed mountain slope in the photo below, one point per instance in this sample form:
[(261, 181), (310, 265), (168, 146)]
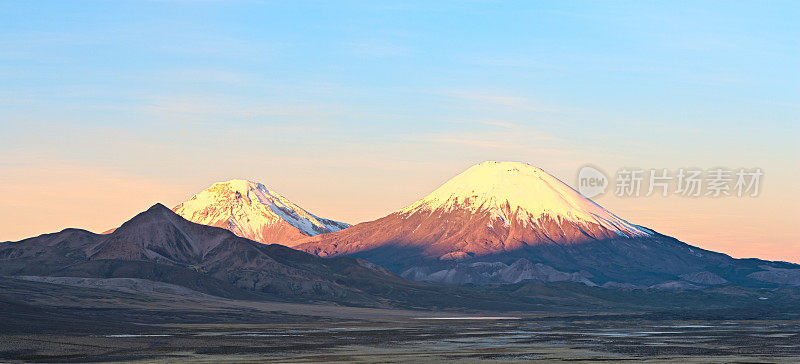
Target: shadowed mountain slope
[(159, 245), (512, 222)]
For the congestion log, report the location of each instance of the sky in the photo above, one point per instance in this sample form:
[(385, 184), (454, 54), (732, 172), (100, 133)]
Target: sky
[(356, 109)]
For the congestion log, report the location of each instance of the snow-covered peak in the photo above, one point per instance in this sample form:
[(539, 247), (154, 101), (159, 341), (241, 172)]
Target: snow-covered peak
[(514, 190), (253, 211)]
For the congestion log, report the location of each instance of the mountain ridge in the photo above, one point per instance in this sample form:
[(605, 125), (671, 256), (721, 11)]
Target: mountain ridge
[(251, 210), (497, 213), (159, 245), (490, 208)]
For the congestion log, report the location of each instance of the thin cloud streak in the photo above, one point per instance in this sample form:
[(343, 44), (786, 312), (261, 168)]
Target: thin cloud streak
[(518, 102)]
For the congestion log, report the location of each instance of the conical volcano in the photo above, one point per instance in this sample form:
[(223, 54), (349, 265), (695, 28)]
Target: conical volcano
[(251, 210), (491, 208), (511, 221), (500, 206)]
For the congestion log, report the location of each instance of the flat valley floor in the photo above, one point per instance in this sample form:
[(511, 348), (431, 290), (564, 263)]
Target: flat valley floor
[(54, 323), (422, 340)]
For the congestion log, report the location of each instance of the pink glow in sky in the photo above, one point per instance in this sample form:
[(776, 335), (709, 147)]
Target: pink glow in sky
[(106, 109)]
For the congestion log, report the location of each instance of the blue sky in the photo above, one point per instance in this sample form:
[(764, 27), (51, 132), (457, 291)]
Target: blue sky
[(354, 109)]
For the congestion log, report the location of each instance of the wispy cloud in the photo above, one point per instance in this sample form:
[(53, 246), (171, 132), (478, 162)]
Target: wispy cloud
[(491, 99), (203, 75), (220, 46), (377, 48), (498, 136), (500, 123), (228, 108), (476, 143), (521, 61)]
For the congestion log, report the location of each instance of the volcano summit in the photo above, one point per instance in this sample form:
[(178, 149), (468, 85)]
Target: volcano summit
[(510, 222), (252, 211)]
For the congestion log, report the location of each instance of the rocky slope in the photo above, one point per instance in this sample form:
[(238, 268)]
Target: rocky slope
[(159, 245)]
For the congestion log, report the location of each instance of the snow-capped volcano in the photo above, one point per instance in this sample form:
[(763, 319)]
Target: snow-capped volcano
[(510, 221), (251, 210), (519, 192), (491, 208)]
